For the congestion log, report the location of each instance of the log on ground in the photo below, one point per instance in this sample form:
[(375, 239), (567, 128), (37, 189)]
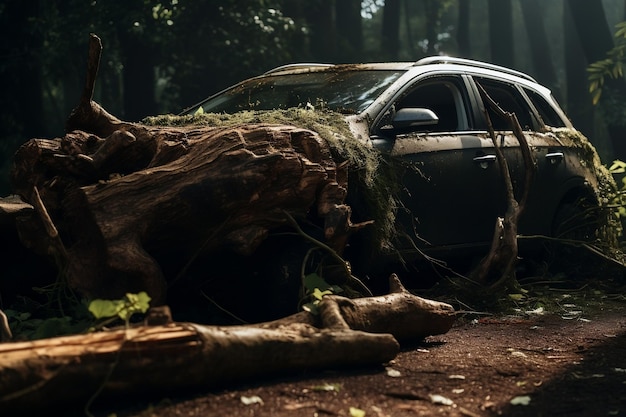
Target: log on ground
[(162, 360)]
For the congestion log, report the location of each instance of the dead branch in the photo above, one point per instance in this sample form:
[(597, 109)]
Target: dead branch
[(496, 268)]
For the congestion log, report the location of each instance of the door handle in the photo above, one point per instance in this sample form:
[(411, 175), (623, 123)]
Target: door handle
[(554, 157), (485, 160)]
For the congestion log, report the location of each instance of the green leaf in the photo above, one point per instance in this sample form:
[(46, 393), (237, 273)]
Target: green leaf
[(336, 289), (52, 327), (134, 303), (618, 167), (595, 99), (318, 295), (124, 309), (140, 301), (516, 297), (105, 308), (621, 30), (313, 281)]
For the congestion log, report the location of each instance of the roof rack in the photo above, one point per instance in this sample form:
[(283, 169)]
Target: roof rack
[(442, 59), (296, 66)]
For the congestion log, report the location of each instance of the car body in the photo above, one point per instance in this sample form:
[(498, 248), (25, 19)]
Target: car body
[(431, 115)]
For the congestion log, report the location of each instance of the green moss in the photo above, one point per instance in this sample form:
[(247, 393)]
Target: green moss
[(610, 228)]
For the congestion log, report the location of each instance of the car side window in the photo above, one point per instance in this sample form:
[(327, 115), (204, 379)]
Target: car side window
[(442, 96), (548, 114), (508, 97)]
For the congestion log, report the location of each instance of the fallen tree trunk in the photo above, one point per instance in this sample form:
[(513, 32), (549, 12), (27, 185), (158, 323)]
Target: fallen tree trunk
[(158, 361), (110, 194), (231, 185), (161, 360)]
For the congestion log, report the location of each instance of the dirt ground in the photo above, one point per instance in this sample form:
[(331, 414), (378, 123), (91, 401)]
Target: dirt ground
[(565, 359)]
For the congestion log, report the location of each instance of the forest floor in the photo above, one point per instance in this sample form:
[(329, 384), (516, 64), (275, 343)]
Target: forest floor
[(564, 357)]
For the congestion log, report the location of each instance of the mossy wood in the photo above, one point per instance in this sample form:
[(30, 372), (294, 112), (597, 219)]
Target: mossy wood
[(161, 360)]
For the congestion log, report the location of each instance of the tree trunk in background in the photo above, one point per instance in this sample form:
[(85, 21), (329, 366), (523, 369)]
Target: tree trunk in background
[(540, 46), (596, 40), (320, 15), (578, 104), (297, 10), (407, 13), (463, 29), (23, 95), (390, 43), (501, 32), (432, 25), (592, 28), (138, 77), (349, 29)]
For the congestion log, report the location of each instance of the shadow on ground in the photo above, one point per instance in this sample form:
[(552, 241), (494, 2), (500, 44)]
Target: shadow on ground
[(593, 386)]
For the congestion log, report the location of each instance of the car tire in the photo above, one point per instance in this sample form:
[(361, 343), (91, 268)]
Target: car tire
[(576, 220)]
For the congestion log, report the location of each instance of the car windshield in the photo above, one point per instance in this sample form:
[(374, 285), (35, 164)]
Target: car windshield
[(345, 91)]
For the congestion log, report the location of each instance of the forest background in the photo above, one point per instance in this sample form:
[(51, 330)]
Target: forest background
[(161, 56)]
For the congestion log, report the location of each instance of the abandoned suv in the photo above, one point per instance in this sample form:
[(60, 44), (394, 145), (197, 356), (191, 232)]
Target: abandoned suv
[(431, 115)]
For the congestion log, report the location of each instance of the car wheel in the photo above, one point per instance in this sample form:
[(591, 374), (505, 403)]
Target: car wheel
[(576, 220)]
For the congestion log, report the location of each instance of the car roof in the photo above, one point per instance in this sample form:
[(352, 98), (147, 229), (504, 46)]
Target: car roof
[(423, 65), (303, 67)]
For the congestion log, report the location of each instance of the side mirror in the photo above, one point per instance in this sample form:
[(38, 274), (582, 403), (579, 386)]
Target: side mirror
[(414, 117)]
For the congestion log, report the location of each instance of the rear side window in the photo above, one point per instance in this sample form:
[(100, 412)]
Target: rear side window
[(548, 114), (510, 100)]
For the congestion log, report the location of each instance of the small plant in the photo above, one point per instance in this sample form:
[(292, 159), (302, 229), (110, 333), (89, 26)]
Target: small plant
[(123, 309), (316, 288)]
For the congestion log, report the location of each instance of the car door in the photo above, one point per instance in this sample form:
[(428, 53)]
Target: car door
[(552, 170), (452, 191), (558, 168)]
